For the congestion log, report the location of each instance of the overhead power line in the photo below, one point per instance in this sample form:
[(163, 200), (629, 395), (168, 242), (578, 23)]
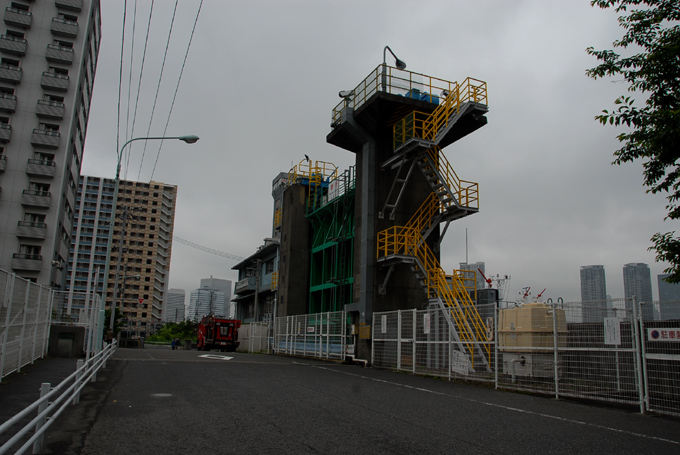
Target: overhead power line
[(206, 249)]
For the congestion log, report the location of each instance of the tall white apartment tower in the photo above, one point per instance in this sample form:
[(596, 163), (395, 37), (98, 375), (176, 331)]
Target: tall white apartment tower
[(48, 57)]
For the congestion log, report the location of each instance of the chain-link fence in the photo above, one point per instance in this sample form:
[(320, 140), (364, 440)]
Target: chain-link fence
[(321, 335), (24, 322), (615, 350)]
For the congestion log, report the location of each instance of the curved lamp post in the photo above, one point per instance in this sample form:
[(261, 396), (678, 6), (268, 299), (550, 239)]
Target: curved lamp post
[(400, 65), (190, 139)]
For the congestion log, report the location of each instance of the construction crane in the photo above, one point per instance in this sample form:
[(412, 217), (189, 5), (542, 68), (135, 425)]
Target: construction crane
[(206, 249)]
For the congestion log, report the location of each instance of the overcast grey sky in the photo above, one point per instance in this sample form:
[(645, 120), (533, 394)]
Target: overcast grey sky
[(260, 83)]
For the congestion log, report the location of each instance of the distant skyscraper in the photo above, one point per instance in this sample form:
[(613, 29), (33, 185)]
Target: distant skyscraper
[(593, 293), (669, 298), (637, 281), (213, 297), (174, 310), (593, 283)]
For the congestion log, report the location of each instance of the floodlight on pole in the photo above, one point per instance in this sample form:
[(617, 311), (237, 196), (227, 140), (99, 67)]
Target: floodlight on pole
[(400, 63), (189, 139)]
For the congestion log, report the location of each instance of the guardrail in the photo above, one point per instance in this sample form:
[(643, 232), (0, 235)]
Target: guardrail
[(52, 403)]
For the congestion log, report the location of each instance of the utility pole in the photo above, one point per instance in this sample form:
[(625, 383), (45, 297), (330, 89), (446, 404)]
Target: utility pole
[(257, 286), (120, 259)]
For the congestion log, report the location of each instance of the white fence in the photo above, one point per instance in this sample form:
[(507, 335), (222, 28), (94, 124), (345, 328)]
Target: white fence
[(24, 322), (255, 337), (321, 335), (26, 312), (660, 335), (50, 405), (612, 351)]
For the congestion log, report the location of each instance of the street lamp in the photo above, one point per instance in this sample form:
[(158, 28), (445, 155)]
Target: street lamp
[(400, 65), (190, 139)]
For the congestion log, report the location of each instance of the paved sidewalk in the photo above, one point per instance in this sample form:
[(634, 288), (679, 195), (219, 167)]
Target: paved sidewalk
[(20, 389)]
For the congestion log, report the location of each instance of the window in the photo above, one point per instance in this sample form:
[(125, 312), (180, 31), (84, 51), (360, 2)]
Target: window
[(20, 6), (10, 62), (15, 34), (29, 250), (53, 98), (44, 157), (63, 44), (68, 17), (57, 70), (49, 127), (7, 90)]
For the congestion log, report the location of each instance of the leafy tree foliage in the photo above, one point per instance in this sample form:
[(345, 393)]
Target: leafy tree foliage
[(117, 322), (184, 330), (652, 69)]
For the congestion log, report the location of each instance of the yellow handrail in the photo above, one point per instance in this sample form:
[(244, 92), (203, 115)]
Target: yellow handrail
[(402, 240), (467, 193), (425, 126)]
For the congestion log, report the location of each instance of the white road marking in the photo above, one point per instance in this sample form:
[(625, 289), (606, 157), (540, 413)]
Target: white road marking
[(215, 357), (509, 408)]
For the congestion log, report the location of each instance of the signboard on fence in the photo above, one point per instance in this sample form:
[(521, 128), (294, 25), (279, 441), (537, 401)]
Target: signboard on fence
[(426, 323), (459, 363), (612, 331), (664, 334)]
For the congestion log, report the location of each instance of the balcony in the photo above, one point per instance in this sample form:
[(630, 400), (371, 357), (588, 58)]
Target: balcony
[(54, 81), (13, 45), (9, 73), (5, 132), (8, 103), (40, 168), (36, 198), (50, 109), (18, 17), (45, 138), (3, 163), (32, 229), (59, 54), (73, 5), (63, 27), (246, 285), (26, 262)]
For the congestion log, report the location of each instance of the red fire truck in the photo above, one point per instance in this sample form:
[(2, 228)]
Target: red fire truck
[(218, 333)]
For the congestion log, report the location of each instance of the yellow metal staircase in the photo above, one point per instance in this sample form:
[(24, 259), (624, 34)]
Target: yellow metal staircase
[(418, 134)]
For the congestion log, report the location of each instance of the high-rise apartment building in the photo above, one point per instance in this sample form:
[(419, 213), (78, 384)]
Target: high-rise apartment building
[(593, 293), (48, 57), (637, 281), (140, 265), (174, 310), (593, 283), (669, 298)]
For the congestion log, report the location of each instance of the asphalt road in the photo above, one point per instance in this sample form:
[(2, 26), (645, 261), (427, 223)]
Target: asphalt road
[(158, 401)]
